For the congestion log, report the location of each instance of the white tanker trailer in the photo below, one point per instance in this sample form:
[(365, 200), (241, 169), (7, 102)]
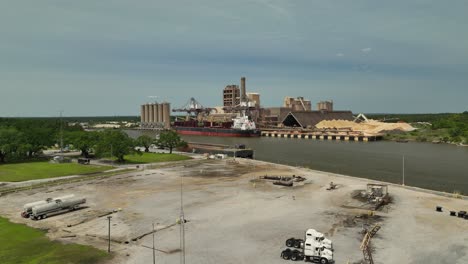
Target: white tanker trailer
[(27, 208), (55, 207)]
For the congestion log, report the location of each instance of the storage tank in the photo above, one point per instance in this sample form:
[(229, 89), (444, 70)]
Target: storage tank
[(146, 113), (255, 98), (155, 113), (27, 208), (41, 211), (160, 113), (325, 106), (151, 112), (142, 113), (167, 115)]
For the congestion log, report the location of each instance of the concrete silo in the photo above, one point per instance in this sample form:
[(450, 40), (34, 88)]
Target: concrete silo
[(160, 113), (167, 115), (146, 113), (142, 113), (150, 114), (155, 113)]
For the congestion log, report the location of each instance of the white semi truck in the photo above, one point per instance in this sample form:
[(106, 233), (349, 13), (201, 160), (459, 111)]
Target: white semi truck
[(311, 251), (55, 207), (27, 208), (310, 234)]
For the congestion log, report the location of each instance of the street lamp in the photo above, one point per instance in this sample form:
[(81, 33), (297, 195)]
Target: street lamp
[(154, 255), (109, 218)]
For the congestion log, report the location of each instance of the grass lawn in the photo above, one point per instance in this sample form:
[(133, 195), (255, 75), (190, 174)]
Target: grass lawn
[(153, 157), (41, 170), (23, 244)]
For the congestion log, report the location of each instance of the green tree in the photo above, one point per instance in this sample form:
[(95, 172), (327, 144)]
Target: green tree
[(145, 141), (9, 143), (115, 143), (83, 140), (35, 139), (170, 139)]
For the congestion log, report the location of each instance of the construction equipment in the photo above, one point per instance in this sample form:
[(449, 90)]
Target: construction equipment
[(365, 245), (332, 186), (27, 208), (312, 251), (54, 207)]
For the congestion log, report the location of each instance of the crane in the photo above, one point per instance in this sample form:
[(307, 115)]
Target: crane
[(365, 245), (194, 107)]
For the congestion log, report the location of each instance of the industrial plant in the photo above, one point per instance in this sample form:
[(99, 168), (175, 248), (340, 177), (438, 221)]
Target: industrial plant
[(242, 115), (156, 115)]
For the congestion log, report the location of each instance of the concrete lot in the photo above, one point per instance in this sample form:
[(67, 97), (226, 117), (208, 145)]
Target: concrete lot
[(233, 219)]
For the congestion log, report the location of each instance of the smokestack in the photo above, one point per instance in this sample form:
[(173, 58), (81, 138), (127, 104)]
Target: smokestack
[(243, 93)]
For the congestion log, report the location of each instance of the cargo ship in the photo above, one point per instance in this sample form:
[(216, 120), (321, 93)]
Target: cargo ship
[(238, 127)]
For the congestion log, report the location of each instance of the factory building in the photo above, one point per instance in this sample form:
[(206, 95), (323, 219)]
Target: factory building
[(231, 95), (297, 104), (325, 106), (155, 115)]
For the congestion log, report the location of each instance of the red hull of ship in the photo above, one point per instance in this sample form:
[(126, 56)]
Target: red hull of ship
[(216, 133)]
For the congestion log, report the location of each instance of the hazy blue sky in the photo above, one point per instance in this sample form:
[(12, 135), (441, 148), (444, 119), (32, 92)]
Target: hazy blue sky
[(106, 57)]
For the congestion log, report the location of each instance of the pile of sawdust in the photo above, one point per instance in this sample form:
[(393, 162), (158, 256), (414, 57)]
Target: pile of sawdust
[(370, 127)]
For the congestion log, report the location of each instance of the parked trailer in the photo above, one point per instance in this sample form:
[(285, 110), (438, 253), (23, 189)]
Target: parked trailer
[(27, 208), (55, 207)]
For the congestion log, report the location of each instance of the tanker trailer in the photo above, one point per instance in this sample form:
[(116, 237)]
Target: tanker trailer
[(56, 207), (27, 208)]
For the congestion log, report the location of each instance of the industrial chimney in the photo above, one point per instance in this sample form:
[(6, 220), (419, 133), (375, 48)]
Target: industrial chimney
[(243, 93)]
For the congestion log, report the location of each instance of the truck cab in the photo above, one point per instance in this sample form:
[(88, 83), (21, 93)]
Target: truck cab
[(316, 252), (319, 238)]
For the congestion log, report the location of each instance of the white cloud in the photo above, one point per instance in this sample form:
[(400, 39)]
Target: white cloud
[(339, 55), (366, 50)]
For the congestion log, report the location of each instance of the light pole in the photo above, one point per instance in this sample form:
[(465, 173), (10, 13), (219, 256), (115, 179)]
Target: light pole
[(112, 155), (154, 254), (61, 132), (403, 170), (108, 248)]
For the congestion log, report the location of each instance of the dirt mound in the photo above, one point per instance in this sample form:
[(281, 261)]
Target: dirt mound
[(369, 127)]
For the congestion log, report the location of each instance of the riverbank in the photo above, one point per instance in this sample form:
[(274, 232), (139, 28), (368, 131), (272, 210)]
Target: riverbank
[(226, 197)]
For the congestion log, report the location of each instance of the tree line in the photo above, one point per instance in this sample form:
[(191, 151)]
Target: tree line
[(456, 125), (24, 139)]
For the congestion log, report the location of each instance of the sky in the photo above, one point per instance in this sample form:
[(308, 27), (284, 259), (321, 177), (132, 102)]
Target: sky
[(107, 57)]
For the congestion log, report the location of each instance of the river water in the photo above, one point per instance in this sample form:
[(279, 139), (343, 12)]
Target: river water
[(432, 166)]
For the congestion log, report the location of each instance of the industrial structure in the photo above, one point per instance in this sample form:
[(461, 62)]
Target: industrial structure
[(308, 119), (235, 121), (155, 116), (241, 110), (231, 95), (325, 106), (254, 98), (297, 104)]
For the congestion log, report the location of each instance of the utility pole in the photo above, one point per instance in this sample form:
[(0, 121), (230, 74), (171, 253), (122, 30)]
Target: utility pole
[(403, 183), (108, 248), (182, 222), (154, 256), (61, 132), (112, 155)]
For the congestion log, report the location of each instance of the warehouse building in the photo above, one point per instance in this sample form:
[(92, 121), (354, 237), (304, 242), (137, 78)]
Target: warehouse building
[(308, 119)]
